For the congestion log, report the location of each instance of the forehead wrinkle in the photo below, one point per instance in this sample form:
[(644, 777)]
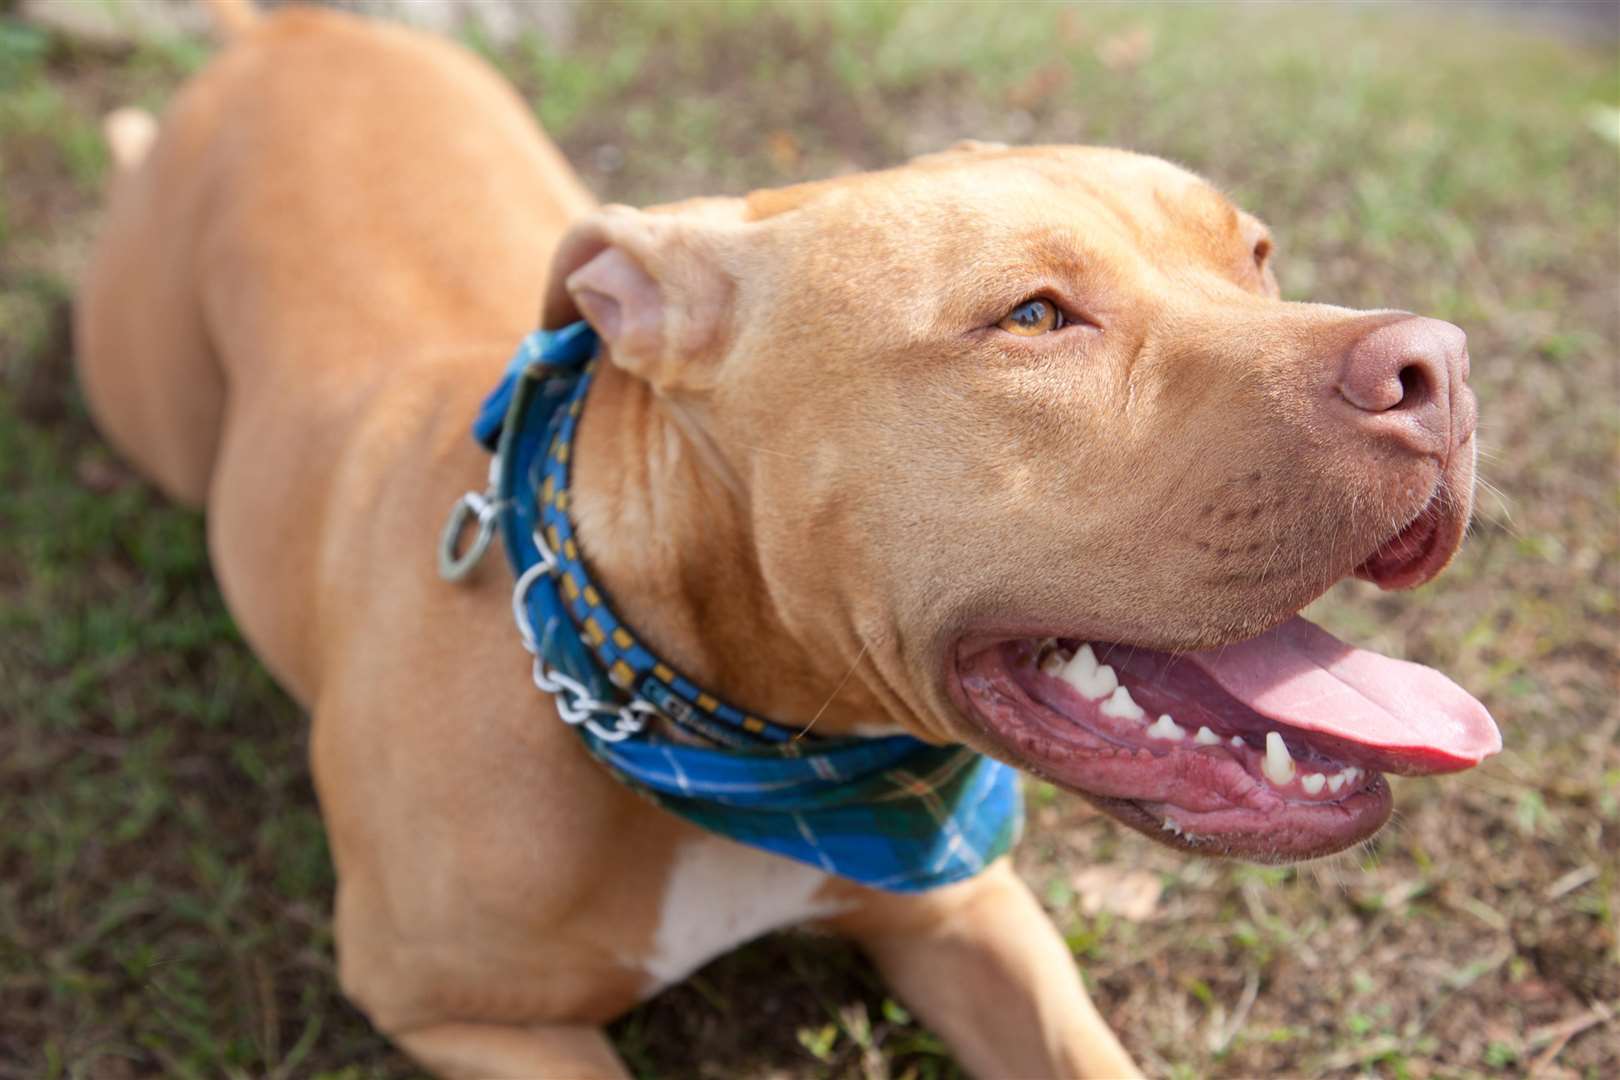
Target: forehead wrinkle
[(1145, 198), (1102, 203), (1034, 256), (944, 272), (1033, 240), (1056, 250), (1203, 213), (1046, 209), (1139, 191)]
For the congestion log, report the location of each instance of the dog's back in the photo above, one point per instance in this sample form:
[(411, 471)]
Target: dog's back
[(174, 309)]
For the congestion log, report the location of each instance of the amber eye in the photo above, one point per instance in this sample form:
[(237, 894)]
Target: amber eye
[(1032, 317)]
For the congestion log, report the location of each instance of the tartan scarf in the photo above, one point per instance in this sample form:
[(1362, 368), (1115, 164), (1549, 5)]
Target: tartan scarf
[(893, 813)]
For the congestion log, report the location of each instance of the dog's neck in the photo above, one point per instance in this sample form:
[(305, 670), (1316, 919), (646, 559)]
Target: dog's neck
[(667, 538)]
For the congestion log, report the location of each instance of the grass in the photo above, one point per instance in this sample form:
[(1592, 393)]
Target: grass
[(164, 883)]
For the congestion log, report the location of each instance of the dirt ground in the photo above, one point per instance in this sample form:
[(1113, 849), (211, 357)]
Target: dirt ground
[(164, 881)]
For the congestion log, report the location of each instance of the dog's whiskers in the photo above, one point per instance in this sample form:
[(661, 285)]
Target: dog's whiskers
[(802, 732), (1504, 509), (774, 453)]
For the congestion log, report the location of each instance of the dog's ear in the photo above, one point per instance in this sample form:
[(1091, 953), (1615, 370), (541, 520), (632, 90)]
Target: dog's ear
[(655, 285)]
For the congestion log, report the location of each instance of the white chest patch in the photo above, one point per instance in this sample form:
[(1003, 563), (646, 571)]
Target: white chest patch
[(722, 894)]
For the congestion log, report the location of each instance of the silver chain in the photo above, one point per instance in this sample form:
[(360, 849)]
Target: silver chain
[(575, 702)]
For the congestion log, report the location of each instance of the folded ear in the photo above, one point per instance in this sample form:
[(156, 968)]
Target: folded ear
[(657, 287)]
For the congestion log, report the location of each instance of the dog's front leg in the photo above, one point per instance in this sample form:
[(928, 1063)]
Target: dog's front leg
[(982, 964), (454, 1051)]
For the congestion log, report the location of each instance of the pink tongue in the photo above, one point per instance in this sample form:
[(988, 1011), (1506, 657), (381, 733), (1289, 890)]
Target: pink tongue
[(1303, 676)]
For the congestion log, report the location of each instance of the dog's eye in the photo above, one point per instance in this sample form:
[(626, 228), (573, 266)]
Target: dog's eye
[(1032, 317)]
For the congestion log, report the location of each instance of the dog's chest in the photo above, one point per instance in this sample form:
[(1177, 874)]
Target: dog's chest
[(721, 894)]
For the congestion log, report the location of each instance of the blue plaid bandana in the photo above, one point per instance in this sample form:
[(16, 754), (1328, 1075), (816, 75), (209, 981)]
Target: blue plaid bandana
[(894, 813)]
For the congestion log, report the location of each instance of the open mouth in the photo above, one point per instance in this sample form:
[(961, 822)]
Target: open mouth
[(1271, 749)]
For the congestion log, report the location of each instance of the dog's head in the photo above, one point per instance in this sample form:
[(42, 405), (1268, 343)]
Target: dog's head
[(1032, 430)]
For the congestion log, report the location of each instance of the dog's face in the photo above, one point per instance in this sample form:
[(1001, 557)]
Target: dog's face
[(1031, 428)]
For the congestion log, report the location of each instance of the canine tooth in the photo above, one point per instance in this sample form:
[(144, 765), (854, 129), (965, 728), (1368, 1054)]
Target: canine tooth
[(1093, 680), (1166, 728), (1206, 737), (1312, 783), (1335, 782), (1121, 704), (1279, 764)]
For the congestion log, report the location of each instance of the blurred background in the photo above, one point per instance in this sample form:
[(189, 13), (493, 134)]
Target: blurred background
[(164, 881)]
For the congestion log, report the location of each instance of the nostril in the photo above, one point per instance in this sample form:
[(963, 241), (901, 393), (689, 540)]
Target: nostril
[(1416, 387), (1404, 379), (1407, 365)]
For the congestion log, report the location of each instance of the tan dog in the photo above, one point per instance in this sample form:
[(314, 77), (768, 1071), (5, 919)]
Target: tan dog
[(907, 438)]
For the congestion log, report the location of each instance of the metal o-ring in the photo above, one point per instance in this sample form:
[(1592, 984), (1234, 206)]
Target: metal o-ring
[(453, 566)]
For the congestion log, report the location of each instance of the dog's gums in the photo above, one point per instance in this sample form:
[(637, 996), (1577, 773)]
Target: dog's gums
[(1269, 749)]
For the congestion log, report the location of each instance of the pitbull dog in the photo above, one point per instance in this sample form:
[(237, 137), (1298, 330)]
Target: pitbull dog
[(1011, 448)]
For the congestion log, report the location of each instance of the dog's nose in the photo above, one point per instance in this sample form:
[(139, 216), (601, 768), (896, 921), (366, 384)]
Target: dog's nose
[(1408, 379)]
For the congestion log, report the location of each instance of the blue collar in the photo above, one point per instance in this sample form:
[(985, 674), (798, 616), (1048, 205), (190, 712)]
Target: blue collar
[(894, 813)]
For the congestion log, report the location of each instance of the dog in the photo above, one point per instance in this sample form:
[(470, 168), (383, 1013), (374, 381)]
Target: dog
[(1007, 454)]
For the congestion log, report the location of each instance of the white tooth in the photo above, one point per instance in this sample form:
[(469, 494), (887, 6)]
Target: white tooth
[(1335, 782), (1237, 742), (1122, 705), (1093, 680), (1084, 660), (1312, 783), (1166, 728), (1279, 764), (1206, 737), (1171, 825)]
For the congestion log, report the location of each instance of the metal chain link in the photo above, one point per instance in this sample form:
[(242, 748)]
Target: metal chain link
[(575, 702)]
